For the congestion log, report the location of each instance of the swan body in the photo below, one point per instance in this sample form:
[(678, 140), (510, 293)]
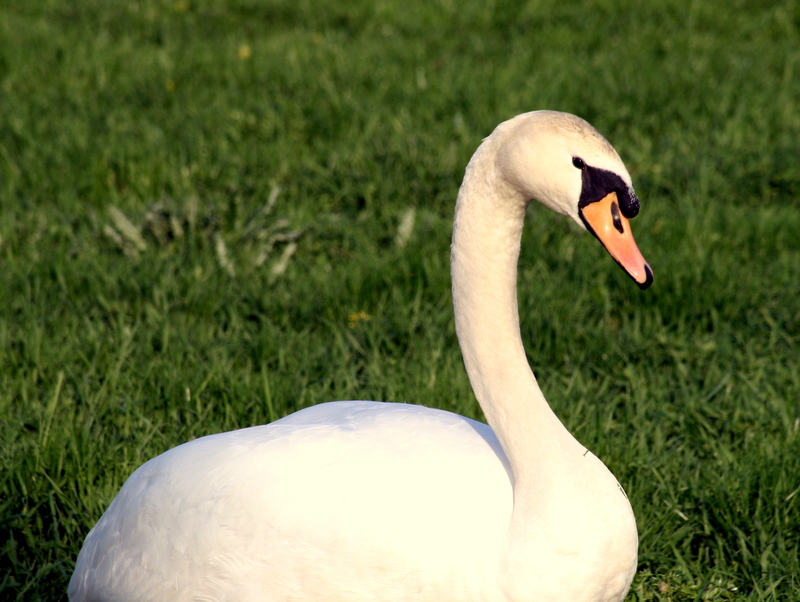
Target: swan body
[(369, 501)]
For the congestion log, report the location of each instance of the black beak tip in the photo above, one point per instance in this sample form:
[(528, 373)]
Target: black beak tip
[(649, 280)]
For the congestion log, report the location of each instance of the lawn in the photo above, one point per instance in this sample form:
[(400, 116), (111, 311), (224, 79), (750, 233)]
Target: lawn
[(213, 214)]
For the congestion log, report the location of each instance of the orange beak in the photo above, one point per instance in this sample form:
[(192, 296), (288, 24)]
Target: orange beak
[(604, 219)]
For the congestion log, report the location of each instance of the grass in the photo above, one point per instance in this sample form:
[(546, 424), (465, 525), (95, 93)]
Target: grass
[(199, 212)]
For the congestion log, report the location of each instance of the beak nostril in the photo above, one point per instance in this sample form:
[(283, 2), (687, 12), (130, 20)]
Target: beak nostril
[(615, 216)]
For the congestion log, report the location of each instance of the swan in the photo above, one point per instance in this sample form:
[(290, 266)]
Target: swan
[(370, 501)]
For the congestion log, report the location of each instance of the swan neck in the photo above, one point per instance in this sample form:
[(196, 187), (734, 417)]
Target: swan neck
[(487, 233), (571, 523)]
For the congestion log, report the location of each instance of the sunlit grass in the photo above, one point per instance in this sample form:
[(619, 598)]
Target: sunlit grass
[(214, 214)]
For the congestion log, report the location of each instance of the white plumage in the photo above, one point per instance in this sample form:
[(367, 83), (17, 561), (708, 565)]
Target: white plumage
[(369, 501)]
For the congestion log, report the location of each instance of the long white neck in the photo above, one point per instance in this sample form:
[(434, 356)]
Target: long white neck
[(489, 218), (572, 534)]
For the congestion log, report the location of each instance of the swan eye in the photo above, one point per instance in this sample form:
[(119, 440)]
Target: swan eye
[(578, 162)]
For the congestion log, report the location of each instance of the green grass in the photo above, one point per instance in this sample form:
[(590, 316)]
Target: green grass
[(120, 340)]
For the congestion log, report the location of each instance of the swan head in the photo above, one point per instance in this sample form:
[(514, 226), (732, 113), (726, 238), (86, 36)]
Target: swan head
[(563, 162)]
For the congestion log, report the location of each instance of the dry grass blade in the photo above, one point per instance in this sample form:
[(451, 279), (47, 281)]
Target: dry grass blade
[(127, 229)]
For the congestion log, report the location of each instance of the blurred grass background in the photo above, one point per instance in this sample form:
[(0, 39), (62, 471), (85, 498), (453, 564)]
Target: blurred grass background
[(214, 213)]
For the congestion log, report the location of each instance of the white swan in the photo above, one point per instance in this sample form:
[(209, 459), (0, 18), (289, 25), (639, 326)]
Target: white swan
[(369, 501)]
